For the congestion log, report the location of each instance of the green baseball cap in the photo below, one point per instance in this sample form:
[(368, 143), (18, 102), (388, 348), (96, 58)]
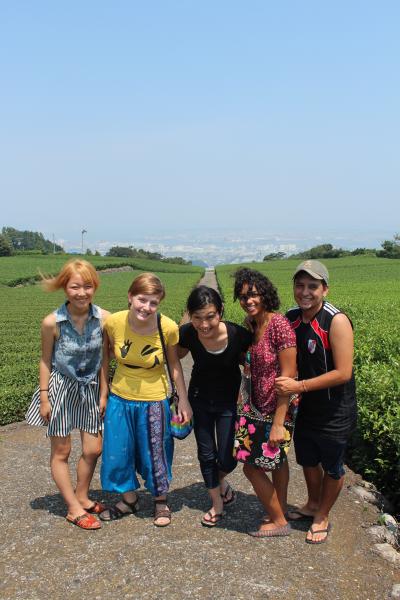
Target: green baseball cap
[(314, 268)]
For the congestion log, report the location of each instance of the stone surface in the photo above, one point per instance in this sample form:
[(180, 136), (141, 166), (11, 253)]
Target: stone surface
[(365, 495), (395, 593), (381, 534), (390, 522), (388, 553)]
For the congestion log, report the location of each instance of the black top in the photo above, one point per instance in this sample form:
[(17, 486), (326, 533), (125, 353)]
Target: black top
[(331, 411), (215, 379)]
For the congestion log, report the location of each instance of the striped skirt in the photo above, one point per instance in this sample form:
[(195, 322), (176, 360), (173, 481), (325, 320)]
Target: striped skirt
[(73, 406)]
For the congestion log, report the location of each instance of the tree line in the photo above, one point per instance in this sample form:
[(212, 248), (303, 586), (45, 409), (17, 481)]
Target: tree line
[(13, 241), (390, 249)]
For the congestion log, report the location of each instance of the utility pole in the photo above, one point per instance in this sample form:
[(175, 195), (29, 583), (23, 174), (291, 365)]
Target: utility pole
[(83, 231), (54, 244)]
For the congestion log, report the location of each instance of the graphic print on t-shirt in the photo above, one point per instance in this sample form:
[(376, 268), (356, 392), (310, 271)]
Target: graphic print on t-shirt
[(145, 351), (125, 348)]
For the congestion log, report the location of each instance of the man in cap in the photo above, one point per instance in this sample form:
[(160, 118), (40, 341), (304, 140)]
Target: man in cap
[(327, 410)]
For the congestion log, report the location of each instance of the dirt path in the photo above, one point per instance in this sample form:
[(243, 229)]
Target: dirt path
[(44, 557)]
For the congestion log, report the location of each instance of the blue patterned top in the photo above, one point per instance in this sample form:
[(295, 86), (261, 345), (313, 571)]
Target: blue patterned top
[(78, 355)]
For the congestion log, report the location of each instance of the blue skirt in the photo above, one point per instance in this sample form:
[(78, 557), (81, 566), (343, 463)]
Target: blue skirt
[(137, 439)]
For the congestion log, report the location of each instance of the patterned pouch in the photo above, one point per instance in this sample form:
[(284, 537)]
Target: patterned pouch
[(252, 430)]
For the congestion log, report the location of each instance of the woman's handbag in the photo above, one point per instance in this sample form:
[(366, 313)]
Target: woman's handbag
[(252, 429), (179, 429)]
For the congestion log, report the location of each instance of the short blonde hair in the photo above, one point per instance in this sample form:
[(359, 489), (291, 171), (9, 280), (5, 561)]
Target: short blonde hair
[(72, 267), (147, 283)]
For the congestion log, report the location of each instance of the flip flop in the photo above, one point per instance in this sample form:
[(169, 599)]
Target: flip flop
[(85, 521), (300, 515), (213, 520), (227, 501), (277, 532), (314, 531)]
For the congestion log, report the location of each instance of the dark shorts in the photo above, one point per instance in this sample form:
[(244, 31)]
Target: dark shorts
[(312, 449)]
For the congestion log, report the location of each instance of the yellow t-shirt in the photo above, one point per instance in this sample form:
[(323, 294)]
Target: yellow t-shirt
[(140, 373)]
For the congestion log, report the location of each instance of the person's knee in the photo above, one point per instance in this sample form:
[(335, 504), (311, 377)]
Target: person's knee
[(227, 465), (337, 473), (60, 451), (91, 455), (206, 455)]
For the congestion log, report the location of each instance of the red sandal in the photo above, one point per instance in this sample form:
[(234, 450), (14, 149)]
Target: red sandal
[(96, 508), (85, 521)]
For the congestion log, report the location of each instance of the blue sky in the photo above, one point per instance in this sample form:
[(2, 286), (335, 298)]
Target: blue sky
[(134, 117)]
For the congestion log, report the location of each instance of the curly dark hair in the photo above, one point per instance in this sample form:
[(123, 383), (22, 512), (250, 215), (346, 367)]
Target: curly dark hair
[(256, 280)]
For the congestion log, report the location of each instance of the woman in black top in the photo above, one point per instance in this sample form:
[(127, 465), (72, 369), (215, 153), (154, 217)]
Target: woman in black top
[(216, 347)]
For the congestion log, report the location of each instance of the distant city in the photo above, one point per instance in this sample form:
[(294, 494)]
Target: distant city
[(214, 248)]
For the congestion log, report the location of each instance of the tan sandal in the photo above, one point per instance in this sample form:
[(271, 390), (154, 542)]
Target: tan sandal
[(161, 513)]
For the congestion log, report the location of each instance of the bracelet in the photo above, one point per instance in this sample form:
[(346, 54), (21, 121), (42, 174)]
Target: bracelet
[(303, 383), (44, 390)]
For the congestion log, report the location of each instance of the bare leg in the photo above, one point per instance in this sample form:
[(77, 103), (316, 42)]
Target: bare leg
[(91, 450), (331, 489), (217, 507), (225, 488), (60, 451), (267, 495), (314, 477), (280, 479)]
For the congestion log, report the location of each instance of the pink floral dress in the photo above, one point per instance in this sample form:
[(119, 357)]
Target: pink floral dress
[(258, 399), (278, 336)]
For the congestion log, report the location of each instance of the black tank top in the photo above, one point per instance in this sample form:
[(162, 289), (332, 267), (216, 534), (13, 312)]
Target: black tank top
[(331, 411)]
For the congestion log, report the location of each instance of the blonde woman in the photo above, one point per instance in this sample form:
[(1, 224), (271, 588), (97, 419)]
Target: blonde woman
[(68, 396)]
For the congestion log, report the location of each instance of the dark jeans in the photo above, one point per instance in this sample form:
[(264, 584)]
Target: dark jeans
[(214, 433)]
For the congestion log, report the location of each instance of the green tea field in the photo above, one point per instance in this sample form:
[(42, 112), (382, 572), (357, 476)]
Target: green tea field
[(24, 268), (22, 309), (367, 289)]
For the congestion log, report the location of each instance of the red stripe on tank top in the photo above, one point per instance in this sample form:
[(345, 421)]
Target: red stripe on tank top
[(321, 333), (295, 323)]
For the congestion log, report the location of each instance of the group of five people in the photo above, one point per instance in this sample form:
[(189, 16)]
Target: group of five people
[(307, 354)]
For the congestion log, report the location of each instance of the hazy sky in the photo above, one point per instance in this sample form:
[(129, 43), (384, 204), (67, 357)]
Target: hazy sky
[(127, 116)]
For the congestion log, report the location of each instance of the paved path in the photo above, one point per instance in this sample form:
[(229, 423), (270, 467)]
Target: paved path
[(43, 557)]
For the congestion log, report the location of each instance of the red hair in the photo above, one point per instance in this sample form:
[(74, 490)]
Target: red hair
[(147, 283)]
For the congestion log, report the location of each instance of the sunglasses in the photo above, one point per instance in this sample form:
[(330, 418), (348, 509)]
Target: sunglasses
[(245, 297)]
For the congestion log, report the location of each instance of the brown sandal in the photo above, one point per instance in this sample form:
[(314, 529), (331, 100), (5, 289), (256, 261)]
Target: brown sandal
[(161, 513), (113, 513)]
